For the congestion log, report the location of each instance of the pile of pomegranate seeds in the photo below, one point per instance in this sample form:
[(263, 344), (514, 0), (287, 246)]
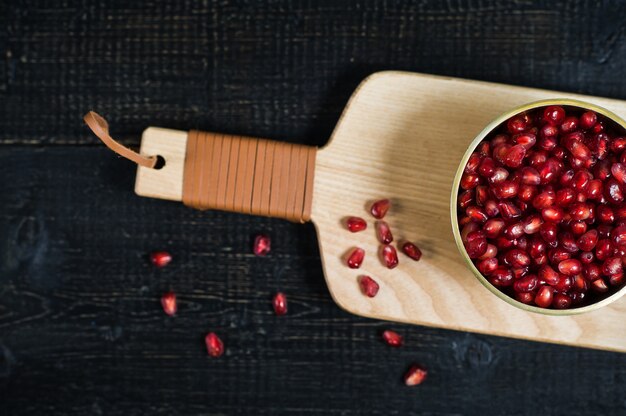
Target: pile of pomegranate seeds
[(392, 338), (280, 304), (262, 245), (541, 207), (160, 258), (169, 304), (214, 345)]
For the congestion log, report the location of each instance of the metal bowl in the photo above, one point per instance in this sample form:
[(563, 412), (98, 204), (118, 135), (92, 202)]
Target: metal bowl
[(453, 204)]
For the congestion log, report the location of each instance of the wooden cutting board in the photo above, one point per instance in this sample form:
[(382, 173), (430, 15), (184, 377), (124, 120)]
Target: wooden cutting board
[(402, 136)]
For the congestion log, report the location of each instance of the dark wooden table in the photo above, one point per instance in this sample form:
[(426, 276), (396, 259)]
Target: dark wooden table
[(81, 328)]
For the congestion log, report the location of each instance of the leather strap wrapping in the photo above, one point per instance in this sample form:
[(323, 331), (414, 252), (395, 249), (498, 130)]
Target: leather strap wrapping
[(249, 175)]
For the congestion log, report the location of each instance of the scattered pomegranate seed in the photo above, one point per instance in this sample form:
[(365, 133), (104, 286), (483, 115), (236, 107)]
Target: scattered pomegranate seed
[(384, 232), (542, 212), (355, 259), (169, 304), (380, 208), (160, 258), (279, 303), (392, 338), (262, 245), (356, 224), (369, 286), (411, 250), (390, 256), (416, 375), (214, 345)]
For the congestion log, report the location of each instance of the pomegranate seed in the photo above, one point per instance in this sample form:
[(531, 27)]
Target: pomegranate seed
[(564, 284), (558, 255), (578, 227), (369, 286), (355, 259), (568, 242), (525, 284), (473, 163), (522, 243), (549, 275), (380, 207), (570, 267), (552, 214), (573, 143), (262, 245), (384, 232), (509, 210), (468, 228), (548, 170), (491, 208), (619, 172), (581, 180), (517, 258), (594, 190), (487, 167), (474, 239), (527, 140), (392, 338), (599, 127), (580, 211), (214, 345), (536, 157), (525, 297), (502, 276), (620, 212), (604, 230), (565, 196), (169, 304), (588, 241), (586, 257), (279, 303), (544, 200), (356, 224), (532, 224), (482, 195), (554, 114), (466, 198), (618, 145), (515, 156), (580, 284), (599, 285), (588, 120), (548, 232), (612, 266), (160, 258), (518, 123), (592, 272), (499, 175), (618, 235), (613, 191), (487, 266), (416, 375), (569, 124), (616, 279), (537, 247), (493, 227), (412, 251), (544, 296), (514, 231), (474, 213), (505, 189), (498, 140), (604, 249), (561, 301), (483, 148)]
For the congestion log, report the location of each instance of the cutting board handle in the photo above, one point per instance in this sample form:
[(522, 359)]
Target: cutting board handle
[(248, 175)]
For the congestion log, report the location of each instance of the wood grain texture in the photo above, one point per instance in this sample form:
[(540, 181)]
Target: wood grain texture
[(80, 326)]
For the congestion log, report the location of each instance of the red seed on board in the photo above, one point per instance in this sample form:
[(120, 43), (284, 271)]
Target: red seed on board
[(411, 250), (384, 232), (262, 245), (356, 224), (355, 259), (392, 338), (169, 304), (368, 286), (416, 375), (160, 258), (214, 345), (389, 255), (279, 303), (380, 207)]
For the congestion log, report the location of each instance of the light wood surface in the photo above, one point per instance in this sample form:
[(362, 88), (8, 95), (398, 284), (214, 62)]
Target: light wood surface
[(402, 136)]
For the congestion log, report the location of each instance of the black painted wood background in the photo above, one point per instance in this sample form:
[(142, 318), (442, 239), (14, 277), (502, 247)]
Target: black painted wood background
[(81, 329)]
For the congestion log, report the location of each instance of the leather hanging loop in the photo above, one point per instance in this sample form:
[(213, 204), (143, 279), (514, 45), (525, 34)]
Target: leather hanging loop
[(100, 128)]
